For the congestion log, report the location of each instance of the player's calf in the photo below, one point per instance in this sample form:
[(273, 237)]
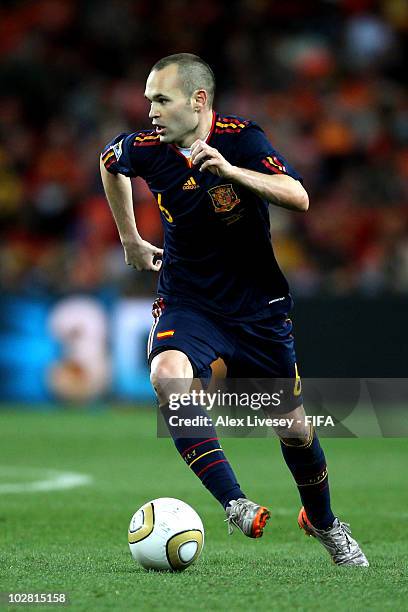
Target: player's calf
[(199, 447), (307, 463)]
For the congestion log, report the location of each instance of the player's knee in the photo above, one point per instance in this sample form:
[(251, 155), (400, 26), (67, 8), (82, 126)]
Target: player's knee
[(297, 431), (159, 376), (300, 436), (169, 364), (171, 372)]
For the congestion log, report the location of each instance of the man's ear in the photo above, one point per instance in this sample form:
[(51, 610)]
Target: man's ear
[(200, 98)]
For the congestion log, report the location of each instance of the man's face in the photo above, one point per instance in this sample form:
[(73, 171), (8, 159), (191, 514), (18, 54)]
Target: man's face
[(171, 111)]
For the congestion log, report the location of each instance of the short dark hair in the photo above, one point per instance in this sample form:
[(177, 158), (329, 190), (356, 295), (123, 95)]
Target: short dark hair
[(195, 73)]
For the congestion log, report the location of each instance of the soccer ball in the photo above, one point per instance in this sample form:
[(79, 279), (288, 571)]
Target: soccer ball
[(166, 534)]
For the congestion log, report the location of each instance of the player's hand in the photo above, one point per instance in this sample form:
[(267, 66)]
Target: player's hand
[(210, 159), (157, 307), (143, 256)]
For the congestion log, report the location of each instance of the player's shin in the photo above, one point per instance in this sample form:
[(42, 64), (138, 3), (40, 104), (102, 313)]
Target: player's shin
[(201, 450), (307, 463)]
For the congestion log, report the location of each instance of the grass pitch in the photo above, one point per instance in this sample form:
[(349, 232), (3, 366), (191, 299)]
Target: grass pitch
[(75, 540)]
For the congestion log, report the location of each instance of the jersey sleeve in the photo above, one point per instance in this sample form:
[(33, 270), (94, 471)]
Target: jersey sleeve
[(118, 156), (257, 153)]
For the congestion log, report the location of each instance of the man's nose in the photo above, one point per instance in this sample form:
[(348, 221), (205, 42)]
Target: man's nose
[(153, 111)]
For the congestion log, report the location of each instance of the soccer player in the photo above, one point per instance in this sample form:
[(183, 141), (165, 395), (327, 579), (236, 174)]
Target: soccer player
[(221, 292)]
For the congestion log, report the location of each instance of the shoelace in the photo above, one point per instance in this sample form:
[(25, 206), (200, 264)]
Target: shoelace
[(235, 514), (338, 538)]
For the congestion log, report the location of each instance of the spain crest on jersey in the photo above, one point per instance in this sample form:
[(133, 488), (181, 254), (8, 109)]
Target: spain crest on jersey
[(223, 198)]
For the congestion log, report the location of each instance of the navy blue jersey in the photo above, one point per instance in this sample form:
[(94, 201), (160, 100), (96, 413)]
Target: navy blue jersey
[(217, 245)]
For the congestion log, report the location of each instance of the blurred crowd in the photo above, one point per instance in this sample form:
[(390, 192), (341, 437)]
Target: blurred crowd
[(326, 80)]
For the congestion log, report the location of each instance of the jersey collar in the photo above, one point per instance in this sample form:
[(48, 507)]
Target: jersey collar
[(187, 161)]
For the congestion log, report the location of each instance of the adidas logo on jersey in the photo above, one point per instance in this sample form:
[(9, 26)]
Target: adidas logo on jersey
[(190, 184)]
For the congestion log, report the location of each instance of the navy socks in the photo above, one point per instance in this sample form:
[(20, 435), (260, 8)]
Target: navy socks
[(207, 460), (203, 454), (308, 466)]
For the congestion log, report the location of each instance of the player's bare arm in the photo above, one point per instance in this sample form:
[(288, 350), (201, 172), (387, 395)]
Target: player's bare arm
[(278, 189), (138, 252)]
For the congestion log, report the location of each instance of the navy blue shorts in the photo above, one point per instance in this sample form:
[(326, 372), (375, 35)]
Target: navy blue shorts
[(259, 349)]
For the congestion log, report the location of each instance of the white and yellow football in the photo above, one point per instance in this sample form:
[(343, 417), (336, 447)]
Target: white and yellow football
[(166, 534)]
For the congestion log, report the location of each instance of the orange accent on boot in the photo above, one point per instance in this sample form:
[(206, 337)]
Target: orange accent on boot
[(262, 516), (304, 522)]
